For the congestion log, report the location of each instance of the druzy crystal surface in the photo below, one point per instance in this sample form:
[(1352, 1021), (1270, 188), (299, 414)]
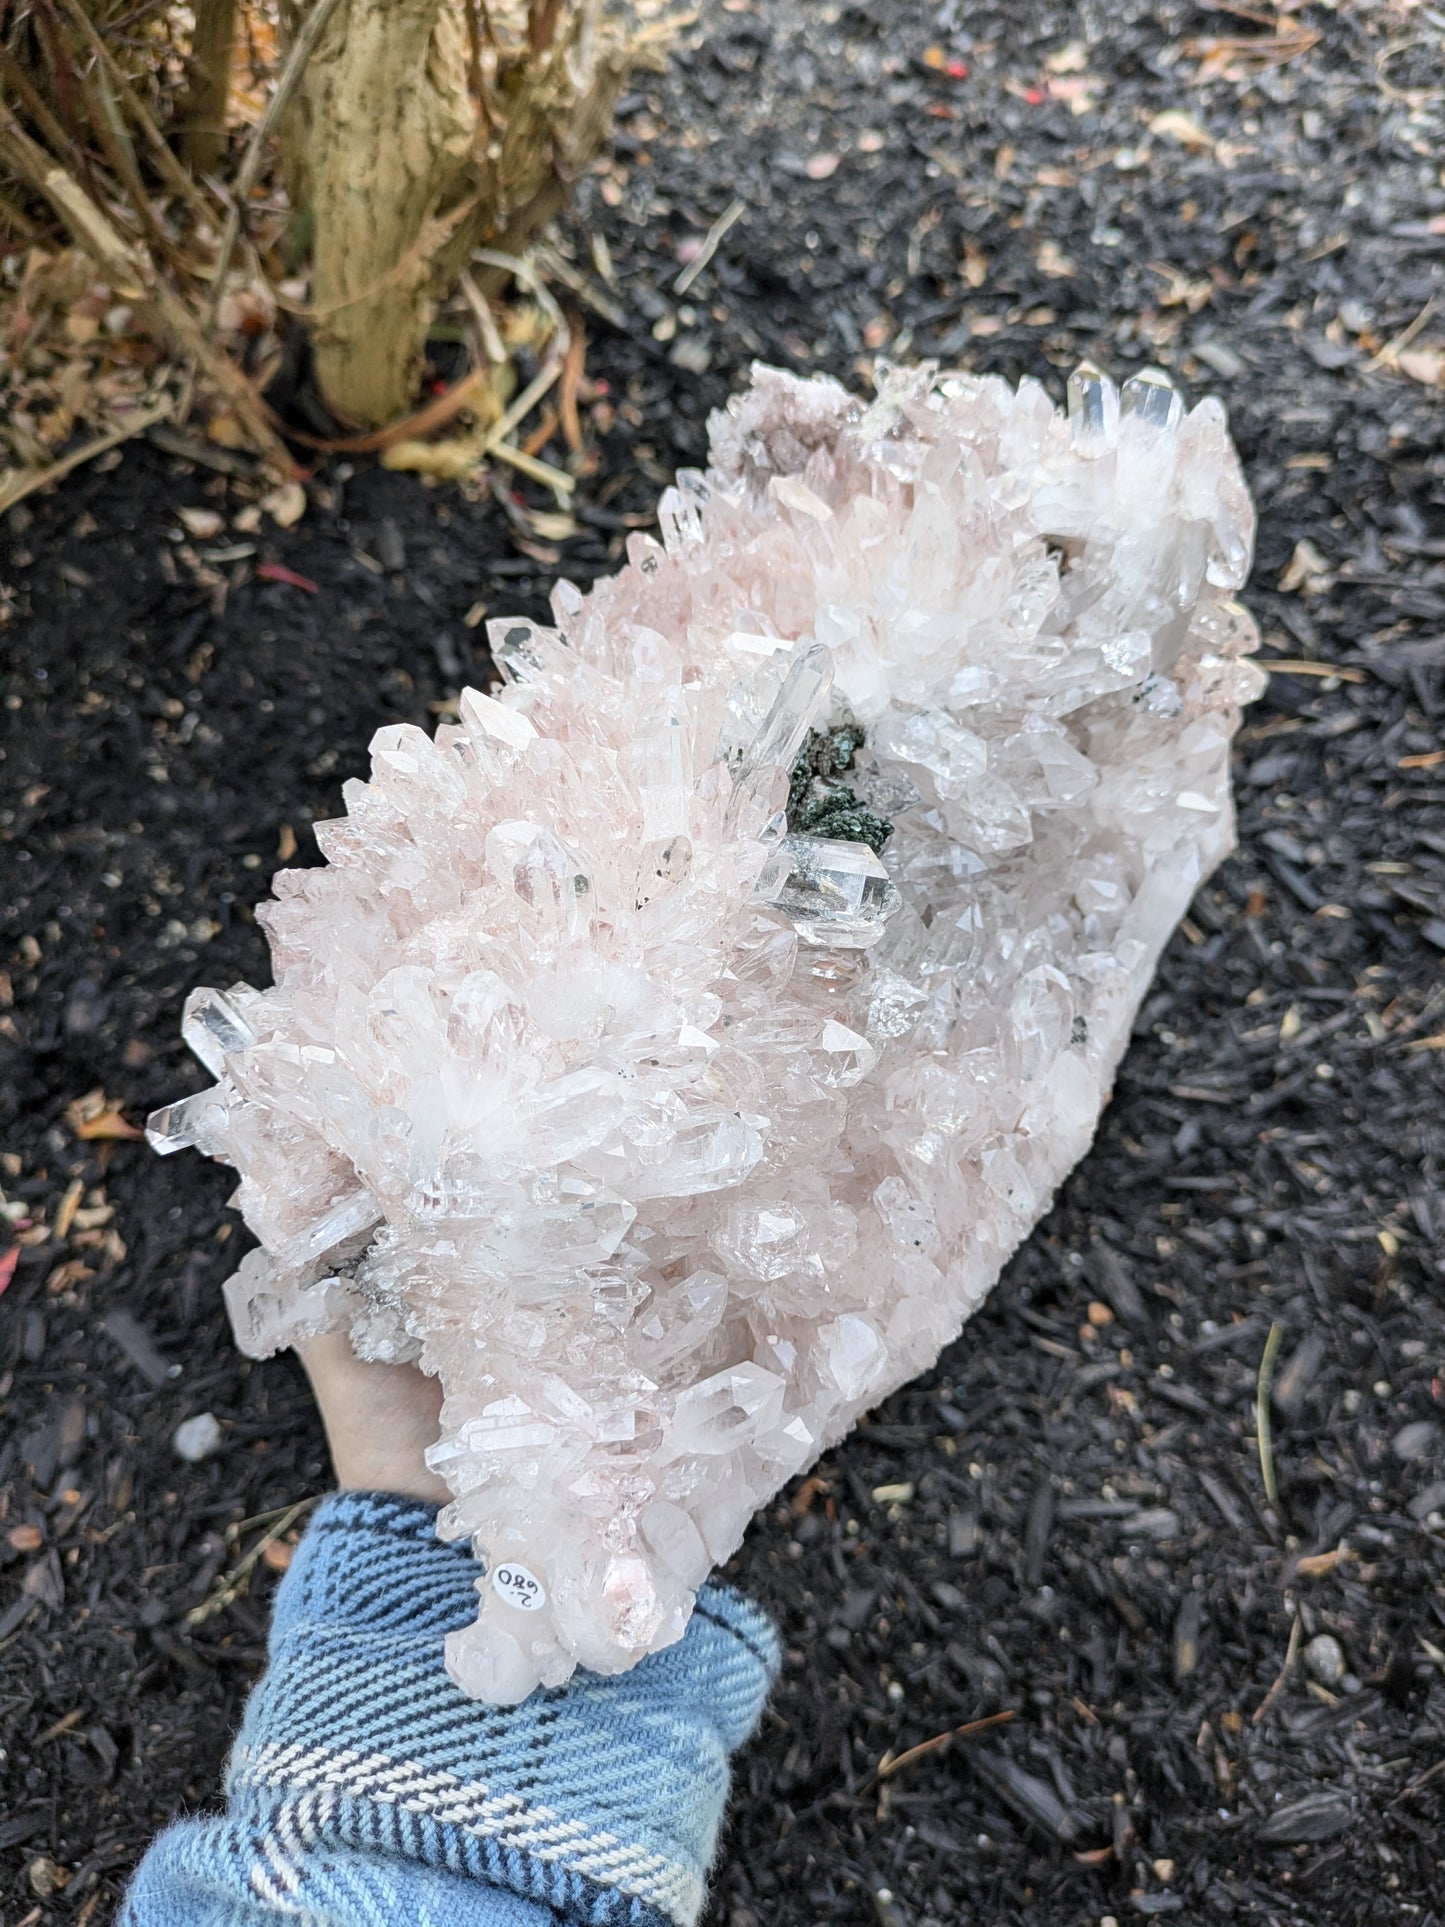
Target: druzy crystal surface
[(668, 1132)]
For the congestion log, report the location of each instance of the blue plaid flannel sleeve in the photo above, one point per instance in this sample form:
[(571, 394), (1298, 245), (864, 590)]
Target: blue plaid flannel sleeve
[(364, 1787)]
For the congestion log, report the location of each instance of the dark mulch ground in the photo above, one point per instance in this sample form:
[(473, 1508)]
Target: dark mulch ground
[(1082, 1537)]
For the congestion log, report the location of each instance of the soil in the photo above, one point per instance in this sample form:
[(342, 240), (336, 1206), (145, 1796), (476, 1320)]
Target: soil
[(1066, 1521)]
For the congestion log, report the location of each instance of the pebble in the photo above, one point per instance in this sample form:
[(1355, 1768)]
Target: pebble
[(694, 357), (1325, 1659), (1416, 1441), (197, 1438), (204, 524)]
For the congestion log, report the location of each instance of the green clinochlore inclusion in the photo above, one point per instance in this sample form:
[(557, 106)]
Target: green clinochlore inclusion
[(819, 804)]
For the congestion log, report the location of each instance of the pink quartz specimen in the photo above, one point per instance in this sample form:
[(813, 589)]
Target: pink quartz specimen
[(672, 1137)]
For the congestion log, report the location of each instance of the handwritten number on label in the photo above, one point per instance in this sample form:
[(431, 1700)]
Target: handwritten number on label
[(519, 1587)]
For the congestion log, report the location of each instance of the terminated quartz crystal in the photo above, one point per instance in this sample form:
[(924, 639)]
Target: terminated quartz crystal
[(213, 1025), (834, 894), (668, 1127)]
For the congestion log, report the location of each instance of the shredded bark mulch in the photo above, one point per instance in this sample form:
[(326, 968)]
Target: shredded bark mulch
[(1223, 1703)]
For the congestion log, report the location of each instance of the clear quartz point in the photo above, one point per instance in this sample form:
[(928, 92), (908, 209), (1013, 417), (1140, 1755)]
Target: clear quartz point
[(1093, 407), (346, 1219), (837, 894), (514, 643), (212, 1026), (785, 727), (1151, 397), (190, 1124), (679, 510)]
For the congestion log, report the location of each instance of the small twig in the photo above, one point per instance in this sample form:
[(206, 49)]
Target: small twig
[(111, 131), (48, 126), (26, 482), (1430, 1773), (495, 442), (11, 216), (523, 271), (480, 309), (236, 1532), (229, 1588), (57, 55), (131, 271), (1290, 1653), (523, 405), (571, 382), (888, 1765), (560, 483), (585, 289), (305, 43), (545, 429), (179, 180), (1387, 54), (1263, 1424), (474, 63), (129, 169), (709, 248), (542, 16), (144, 11), (485, 17), (1392, 350), (62, 1725), (1300, 666)]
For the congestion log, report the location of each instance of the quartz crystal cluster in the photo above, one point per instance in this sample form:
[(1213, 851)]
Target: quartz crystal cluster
[(672, 1049)]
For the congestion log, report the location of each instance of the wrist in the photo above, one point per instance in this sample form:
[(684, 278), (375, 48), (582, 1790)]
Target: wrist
[(379, 1419)]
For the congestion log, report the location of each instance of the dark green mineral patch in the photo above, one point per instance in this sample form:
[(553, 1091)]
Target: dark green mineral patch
[(820, 803)]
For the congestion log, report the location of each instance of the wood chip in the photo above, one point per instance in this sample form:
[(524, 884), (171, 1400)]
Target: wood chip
[(69, 1205), (1175, 125), (96, 1116)]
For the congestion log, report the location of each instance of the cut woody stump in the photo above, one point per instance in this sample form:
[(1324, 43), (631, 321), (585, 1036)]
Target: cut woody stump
[(407, 156)]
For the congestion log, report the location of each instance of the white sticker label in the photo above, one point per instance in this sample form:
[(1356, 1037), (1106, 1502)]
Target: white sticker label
[(519, 1587)]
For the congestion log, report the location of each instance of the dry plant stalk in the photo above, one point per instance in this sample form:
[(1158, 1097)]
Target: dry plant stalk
[(411, 133), (49, 73), (131, 271), (419, 135), (203, 132)]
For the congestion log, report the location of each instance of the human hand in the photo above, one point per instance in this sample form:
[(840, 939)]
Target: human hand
[(379, 1419)]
